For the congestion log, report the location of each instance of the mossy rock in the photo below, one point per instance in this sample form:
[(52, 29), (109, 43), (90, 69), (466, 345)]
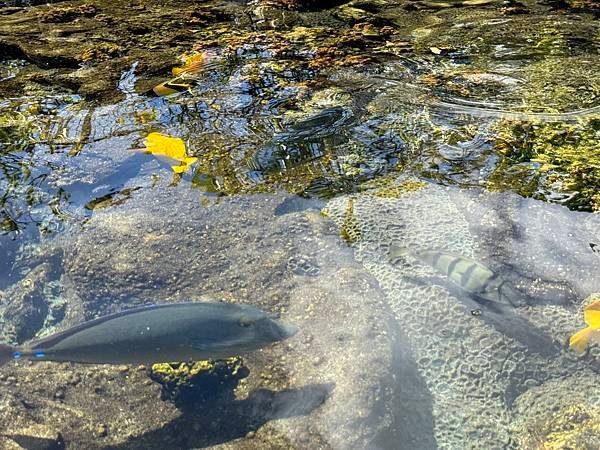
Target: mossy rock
[(573, 427), (565, 156), (199, 382)]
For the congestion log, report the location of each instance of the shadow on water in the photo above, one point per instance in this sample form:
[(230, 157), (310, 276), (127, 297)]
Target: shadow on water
[(230, 419)]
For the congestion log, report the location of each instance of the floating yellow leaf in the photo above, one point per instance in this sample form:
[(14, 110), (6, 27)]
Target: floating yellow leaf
[(159, 144)]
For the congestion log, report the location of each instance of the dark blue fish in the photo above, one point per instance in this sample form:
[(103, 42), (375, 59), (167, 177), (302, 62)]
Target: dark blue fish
[(159, 333)]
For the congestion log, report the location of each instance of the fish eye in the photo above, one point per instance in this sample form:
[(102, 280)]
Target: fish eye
[(245, 322)]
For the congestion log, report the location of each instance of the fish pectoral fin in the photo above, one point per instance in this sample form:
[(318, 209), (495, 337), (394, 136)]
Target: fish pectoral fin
[(207, 345), (580, 340), (397, 254), (189, 160), (179, 169), (185, 163)]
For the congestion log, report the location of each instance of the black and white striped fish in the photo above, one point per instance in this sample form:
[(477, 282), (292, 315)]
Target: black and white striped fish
[(471, 276), (491, 298)]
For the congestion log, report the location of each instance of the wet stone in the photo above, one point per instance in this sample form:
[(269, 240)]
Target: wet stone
[(37, 437)]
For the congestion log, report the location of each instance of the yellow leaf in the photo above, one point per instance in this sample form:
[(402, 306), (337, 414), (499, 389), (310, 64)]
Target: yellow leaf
[(159, 144), (591, 314)]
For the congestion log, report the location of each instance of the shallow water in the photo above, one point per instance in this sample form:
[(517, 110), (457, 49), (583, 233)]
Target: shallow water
[(305, 155)]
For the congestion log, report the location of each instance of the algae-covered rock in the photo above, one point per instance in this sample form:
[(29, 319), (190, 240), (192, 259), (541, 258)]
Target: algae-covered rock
[(567, 158), (26, 308), (201, 381), (559, 414), (37, 437)]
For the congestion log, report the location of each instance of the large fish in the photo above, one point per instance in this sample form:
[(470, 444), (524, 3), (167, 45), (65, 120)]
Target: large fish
[(469, 275), (159, 333)]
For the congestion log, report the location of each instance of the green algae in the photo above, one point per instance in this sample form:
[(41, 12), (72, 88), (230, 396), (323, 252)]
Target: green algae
[(25, 127), (567, 158), (350, 229), (397, 190), (198, 382), (17, 131)]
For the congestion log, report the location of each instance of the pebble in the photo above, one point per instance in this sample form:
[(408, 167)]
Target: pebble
[(59, 394), (75, 379), (101, 430)]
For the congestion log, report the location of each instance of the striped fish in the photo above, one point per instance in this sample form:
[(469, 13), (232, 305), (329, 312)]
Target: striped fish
[(469, 275)]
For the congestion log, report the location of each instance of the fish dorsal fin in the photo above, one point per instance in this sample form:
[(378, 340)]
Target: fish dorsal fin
[(53, 339), (591, 314)]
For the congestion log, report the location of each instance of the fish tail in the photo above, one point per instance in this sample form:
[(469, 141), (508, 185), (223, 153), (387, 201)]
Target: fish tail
[(397, 253), (6, 353), (579, 341)]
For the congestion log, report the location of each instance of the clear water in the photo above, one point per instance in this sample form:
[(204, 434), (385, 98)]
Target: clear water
[(473, 132)]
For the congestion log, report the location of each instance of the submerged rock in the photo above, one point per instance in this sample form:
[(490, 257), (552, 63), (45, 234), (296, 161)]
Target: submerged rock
[(477, 357), (37, 437), (559, 414), (26, 308), (334, 384)]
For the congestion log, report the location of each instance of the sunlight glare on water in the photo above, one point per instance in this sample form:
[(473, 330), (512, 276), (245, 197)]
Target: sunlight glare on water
[(414, 185)]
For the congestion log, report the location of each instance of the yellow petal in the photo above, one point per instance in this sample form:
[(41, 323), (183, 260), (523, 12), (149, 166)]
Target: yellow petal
[(579, 340), (591, 314), (160, 144)]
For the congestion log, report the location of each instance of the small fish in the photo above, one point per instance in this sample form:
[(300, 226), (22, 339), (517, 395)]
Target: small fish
[(595, 248), (158, 144), (171, 87), (580, 340), (159, 333), (466, 273)]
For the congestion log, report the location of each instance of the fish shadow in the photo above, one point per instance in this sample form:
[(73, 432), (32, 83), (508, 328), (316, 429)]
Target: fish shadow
[(505, 318), (229, 419)]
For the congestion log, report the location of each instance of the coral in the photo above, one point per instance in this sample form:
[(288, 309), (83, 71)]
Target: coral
[(200, 381), (349, 231), (576, 426)]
